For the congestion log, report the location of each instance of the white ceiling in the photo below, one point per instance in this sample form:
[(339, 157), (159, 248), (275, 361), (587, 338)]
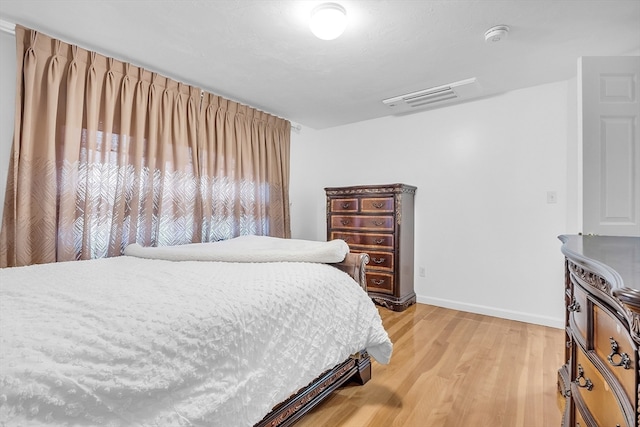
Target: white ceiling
[(261, 53)]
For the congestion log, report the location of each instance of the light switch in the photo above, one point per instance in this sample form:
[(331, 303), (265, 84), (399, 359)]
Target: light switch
[(552, 197)]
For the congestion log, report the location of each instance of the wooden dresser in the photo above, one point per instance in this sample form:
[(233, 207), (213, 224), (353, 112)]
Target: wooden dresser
[(602, 299), (378, 220)]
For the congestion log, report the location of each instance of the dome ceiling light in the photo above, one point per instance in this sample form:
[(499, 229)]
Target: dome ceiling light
[(328, 21)]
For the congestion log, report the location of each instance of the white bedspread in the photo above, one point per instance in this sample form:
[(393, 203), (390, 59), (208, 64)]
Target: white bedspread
[(140, 342), (248, 249)]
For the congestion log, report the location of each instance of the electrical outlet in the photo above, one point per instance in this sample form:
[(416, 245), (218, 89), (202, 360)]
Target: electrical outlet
[(421, 271)]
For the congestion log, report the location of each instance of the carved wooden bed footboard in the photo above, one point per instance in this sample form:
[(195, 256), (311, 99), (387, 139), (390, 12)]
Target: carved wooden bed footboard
[(291, 410), (356, 368)]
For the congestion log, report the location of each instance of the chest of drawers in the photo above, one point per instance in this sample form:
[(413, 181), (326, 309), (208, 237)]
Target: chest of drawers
[(378, 220), (602, 298)]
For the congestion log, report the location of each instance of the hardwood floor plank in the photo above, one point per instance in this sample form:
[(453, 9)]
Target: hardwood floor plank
[(454, 369)]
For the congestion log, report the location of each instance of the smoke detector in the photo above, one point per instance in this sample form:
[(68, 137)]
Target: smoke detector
[(497, 33)]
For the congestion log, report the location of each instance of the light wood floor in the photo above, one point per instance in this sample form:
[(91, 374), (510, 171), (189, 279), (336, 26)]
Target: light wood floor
[(451, 368)]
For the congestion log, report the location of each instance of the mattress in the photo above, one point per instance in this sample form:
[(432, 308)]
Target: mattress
[(130, 341)]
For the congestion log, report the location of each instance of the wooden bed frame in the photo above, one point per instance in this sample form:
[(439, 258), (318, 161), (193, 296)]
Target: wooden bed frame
[(356, 368)]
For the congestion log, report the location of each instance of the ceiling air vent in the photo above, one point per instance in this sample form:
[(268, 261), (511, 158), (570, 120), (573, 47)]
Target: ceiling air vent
[(435, 96)]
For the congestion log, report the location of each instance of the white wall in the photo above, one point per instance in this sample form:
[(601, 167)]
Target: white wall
[(484, 230)]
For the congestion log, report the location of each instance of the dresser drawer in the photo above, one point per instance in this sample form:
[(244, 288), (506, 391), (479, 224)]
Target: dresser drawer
[(595, 393), (380, 260), (579, 309), (376, 204), (357, 222), (364, 240), (614, 346), (344, 205), (380, 282)]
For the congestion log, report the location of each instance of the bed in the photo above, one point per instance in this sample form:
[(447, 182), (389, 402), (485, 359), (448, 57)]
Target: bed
[(250, 331)]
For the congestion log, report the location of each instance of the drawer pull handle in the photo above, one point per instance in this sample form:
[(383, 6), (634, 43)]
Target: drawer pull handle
[(378, 241), (378, 222), (346, 205), (378, 260), (581, 381), (624, 361), (377, 281), (378, 205), (345, 221), (574, 306)]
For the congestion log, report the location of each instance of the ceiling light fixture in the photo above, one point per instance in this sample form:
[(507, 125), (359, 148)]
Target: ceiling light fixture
[(328, 21), (497, 33)]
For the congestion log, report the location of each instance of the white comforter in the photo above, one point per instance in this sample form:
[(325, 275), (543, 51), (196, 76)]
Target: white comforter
[(248, 249), (141, 342)]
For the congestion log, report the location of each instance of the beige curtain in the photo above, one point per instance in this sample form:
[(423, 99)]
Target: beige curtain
[(106, 154), (244, 156)]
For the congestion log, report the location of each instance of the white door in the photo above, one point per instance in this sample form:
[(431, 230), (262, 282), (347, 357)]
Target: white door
[(611, 144)]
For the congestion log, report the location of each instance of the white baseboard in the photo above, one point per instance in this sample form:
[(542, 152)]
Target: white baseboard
[(495, 312)]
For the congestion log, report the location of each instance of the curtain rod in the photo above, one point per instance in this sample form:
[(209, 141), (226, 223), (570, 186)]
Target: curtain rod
[(7, 27)]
